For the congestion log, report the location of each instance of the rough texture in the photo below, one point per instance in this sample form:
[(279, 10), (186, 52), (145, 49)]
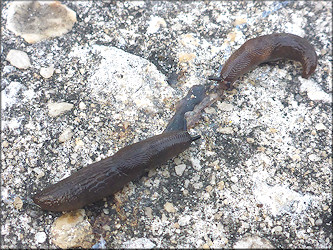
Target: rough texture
[(264, 179), (72, 230)]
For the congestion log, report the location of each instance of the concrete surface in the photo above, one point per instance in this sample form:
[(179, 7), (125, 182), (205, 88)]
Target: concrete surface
[(261, 176)]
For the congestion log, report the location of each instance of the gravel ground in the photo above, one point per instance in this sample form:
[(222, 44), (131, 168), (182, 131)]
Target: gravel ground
[(260, 176)]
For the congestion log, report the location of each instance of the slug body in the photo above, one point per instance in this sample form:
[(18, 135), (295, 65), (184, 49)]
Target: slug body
[(108, 176), (266, 49), (194, 96)]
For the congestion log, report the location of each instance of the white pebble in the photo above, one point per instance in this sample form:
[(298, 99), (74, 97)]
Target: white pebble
[(196, 164), (313, 157), (141, 243), (18, 58), (40, 237), (277, 229), (225, 106), (234, 179), (319, 222), (320, 126), (180, 169), (155, 23), (184, 220), (226, 130), (169, 207), (66, 135), (56, 109), (47, 72), (82, 105)]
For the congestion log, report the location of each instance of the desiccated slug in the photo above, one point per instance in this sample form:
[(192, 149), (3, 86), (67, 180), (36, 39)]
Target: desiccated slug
[(267, 48), (108, 176)]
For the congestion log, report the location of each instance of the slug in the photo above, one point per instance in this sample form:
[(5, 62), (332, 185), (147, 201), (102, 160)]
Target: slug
[(194, 96), (267, 48), (108, 176)]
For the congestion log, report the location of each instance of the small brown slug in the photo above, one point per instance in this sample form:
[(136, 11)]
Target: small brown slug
[(108, 176), (267, 48)]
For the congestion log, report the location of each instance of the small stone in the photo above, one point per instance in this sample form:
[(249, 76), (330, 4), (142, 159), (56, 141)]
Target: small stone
[(149, 212), (313, 157), (47, 72), (186, 57), (184, 220), (210, 110), (169, 207), (250, 140), (239, 21), (177, 161), (319, 222), (79, 142), (320, 126), (36, 21), (253, 242), (225, 106), (126, 124), (225, 130), (261, 149), (277, 229), (151, 172), (220, 185), (72, 230), (141, 243), (82, 106), (155, 24), (196, 164), (66, 135), (5, 144), (234, 179), (39, 172), (273, 130), (166, 173), (40, 237), (18, 203), (197, 185), (180, 169), (18, 58), (164, 218), (56, 109), (205, 246), (209, 188), (245, 225), (176, 225), (296, 157)]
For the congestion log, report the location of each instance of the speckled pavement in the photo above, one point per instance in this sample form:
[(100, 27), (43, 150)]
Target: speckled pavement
[(261, 175)]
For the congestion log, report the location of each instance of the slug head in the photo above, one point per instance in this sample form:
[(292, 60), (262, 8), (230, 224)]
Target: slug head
[(224, 85)]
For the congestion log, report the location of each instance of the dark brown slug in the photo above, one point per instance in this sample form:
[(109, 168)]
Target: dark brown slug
[(106, 177), (267, 48), (194, 96)]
